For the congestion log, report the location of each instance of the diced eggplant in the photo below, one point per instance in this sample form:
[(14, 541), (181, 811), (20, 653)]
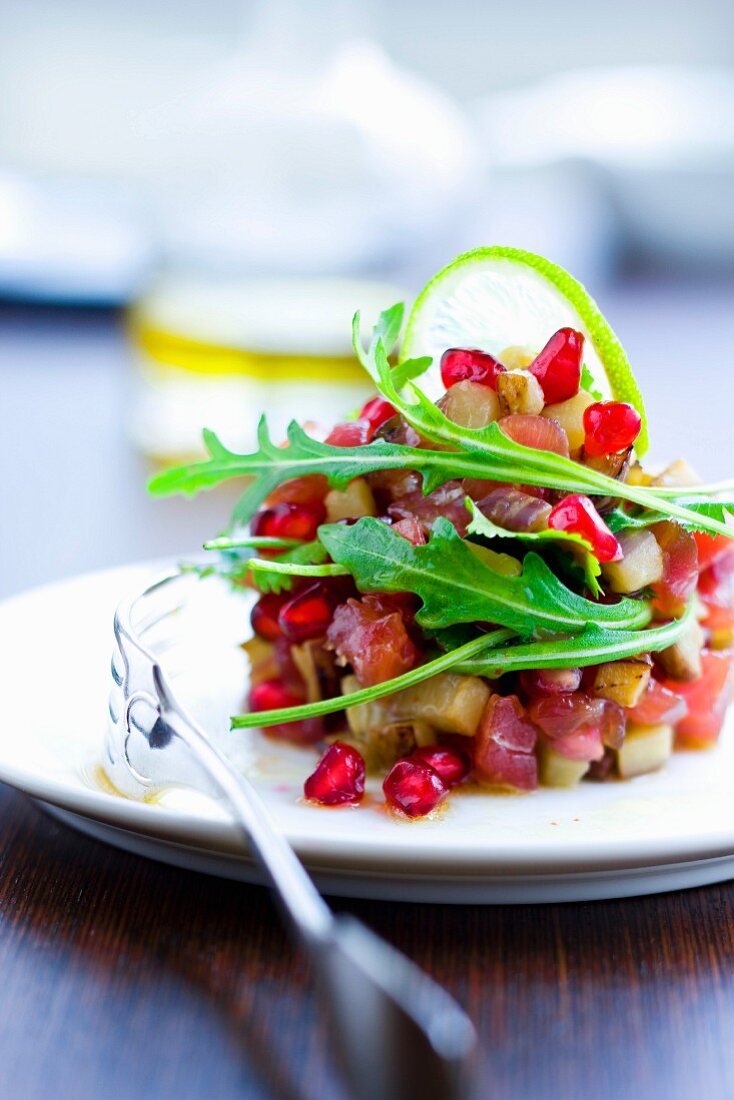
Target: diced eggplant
[(382, 746), (614, 466), (449, 702), (570, 415), (641, 565), (623, 682), (470, 405), (557, 770), (355, 501), (682, 661), (398, 430), (645, 749), (519, 392), (515, 510)]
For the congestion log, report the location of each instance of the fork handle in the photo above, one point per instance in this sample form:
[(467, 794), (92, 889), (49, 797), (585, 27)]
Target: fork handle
[(397, 1033), (309, 915)]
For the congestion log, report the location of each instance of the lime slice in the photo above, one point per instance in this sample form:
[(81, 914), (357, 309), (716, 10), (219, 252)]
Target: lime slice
[(495, 297)]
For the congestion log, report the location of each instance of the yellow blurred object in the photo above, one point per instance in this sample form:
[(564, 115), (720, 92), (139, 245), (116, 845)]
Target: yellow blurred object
[(218, 354)]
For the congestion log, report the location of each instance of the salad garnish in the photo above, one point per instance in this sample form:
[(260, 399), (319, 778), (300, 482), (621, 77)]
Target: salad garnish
[(494, 566)]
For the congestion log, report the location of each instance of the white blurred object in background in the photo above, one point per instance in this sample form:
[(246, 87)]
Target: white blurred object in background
[(339, 163), (70, 241), (294, 146), (658, 140)]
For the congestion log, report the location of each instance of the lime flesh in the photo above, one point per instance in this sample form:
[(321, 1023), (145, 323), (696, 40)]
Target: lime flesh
[(493, 298)]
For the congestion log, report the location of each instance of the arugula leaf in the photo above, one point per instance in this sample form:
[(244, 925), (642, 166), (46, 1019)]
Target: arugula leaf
[(388, 326), (260, 566), (717, 510), (270, 465), (254, 542), (588, 383), (523, 464), (595, 644), (276, 575), (618, 520), (481, 453), (457, 587), (416, 676), (410, 369), (481, 525), (478, 658), (387, 331)]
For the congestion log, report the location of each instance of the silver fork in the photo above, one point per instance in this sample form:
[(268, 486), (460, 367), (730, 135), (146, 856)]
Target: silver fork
[(397, 1034)]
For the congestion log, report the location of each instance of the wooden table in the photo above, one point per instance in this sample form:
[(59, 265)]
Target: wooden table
[(125, 978)]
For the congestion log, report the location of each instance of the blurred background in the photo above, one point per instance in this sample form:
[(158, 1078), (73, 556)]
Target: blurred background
[(195, 198)]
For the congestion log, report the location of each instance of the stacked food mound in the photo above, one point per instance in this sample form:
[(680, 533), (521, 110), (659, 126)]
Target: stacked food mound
[(487, 588)]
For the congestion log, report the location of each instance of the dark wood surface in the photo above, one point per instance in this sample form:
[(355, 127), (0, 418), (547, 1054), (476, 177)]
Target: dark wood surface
[(122, 978)]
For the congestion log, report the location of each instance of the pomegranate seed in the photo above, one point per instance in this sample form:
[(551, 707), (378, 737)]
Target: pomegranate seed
[(550, 681), (264, 616), (539, 432), (576, 513), (377, 412), (353, 433), (610, 427), (558, 366), (413, 788), (338, 778), (289, 521), (452, 766), (470, 365), (306, 615), (272, 695)]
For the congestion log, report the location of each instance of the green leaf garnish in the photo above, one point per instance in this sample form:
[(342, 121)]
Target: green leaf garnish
[(618, 520), (482, 453), (593, 645), (275, 575), (446, 661), (251, 542), (460, 584), (294, 569), (481, 525), (457, 587), (588, 384)]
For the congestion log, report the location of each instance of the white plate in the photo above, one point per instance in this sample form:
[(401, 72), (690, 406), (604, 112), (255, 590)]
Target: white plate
[(658, 832)]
